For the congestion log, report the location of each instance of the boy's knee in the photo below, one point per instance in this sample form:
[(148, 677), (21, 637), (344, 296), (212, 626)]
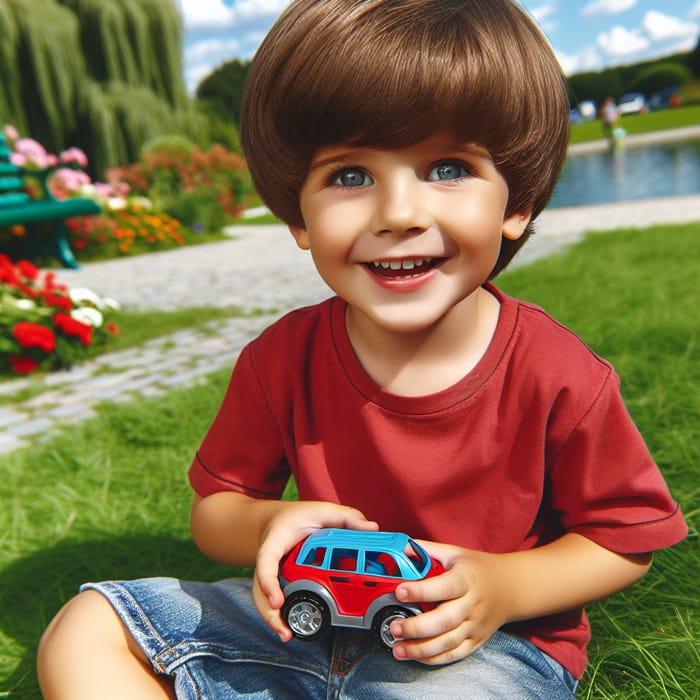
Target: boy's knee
[(85, 627), (87, 617)]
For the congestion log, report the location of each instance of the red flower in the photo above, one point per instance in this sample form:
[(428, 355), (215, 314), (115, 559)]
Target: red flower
[(60, 301), (70, 326), (21, 364), (112, 328), (29, 270), (32, 335)]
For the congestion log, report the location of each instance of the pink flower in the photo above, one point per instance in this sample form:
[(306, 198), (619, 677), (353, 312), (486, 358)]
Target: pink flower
[(11, 134), (74, 155), (65, 182), (34, 153)]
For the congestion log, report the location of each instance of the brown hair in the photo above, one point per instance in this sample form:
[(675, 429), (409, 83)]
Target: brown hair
[(390, 73)]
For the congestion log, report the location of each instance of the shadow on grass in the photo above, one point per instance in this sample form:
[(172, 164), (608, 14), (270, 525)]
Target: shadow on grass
[(35, 587)]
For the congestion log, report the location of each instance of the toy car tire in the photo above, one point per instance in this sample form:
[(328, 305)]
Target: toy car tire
[(382, 622), (306, 615)]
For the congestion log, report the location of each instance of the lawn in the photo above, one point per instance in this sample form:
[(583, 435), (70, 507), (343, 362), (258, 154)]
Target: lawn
[(640, 123), (109, 498)]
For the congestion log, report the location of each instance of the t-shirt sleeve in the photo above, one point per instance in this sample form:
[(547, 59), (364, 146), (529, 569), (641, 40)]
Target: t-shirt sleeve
[(242, 450), (606, 486)]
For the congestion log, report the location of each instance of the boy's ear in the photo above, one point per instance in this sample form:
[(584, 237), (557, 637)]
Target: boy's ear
[(300, 236), (514, 225)]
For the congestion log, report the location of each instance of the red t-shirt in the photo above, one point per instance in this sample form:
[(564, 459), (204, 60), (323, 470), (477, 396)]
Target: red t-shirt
[(534, 442)]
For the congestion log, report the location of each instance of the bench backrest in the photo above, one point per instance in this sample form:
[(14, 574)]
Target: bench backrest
[(12, 188)]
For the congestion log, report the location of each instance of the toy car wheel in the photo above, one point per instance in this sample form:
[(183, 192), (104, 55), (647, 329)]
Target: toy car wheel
[(382, 623), (306, 615)]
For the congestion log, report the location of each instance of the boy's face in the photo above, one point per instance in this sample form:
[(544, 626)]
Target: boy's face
[(405, 236)]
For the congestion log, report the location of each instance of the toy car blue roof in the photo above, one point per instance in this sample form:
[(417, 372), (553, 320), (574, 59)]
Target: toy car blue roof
[(335, 537)]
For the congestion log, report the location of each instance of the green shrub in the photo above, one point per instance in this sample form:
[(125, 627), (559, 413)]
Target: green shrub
[(660, 76)]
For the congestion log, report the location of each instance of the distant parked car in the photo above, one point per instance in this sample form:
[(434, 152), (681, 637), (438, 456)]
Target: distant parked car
[(575, 117), (632, 103), (668, 97), (587, 109)]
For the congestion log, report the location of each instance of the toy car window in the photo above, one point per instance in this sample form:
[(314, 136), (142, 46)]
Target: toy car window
[(344, 559), (416, 556), (381, 564), (315, 556)]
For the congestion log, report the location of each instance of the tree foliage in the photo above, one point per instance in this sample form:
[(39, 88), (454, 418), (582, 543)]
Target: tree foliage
[(222, 89), (105, 75), (645, 76), (660, 76)]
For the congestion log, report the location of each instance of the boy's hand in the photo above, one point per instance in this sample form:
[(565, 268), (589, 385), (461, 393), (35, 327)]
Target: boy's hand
[(482, 591), (475, 597), (293, 522)]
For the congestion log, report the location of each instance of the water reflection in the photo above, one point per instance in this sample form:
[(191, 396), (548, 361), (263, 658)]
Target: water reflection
[(629, 173)]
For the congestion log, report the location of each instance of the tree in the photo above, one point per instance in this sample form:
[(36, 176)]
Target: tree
[(660, 76), (222, 89), (105, 75), (694, 60)]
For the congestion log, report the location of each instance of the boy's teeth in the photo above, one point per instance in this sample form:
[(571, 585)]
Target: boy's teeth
[(400, 264)]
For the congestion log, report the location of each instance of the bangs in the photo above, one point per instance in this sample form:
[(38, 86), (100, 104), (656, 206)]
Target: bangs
[(396, 78)]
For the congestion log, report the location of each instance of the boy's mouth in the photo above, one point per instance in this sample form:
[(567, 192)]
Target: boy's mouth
[(403, 268)]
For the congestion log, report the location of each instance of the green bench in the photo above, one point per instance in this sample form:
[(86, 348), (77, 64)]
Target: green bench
[(17, 207)]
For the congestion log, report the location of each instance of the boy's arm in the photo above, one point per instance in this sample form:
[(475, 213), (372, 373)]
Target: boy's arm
[(236, 529), (482, 592)]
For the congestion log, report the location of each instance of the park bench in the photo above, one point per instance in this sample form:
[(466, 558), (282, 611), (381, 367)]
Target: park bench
[(18, 207)]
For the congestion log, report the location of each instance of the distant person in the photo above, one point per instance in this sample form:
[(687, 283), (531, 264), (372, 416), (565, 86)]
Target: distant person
[(611, 118), (408, 146)]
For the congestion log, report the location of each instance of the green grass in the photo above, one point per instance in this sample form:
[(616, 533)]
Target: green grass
[(254, 220), (640, 123), (109, 498)]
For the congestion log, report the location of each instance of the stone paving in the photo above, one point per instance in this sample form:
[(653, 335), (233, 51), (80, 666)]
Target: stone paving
[(258, 268)]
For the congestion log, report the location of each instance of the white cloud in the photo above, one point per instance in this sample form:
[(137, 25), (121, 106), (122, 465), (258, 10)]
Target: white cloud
[(205, 13), (202, 51), (661, 27), (213, 14), (583, 61), (607, 7), (622, 42), (543, 15), (695, 11)]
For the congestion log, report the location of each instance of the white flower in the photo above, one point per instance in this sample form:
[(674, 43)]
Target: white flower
[(91, 317), (109, 303), (116, 203), (25, 304), (80, 295)]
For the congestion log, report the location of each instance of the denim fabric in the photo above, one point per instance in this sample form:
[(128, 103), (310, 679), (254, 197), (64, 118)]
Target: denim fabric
[(211, 639)]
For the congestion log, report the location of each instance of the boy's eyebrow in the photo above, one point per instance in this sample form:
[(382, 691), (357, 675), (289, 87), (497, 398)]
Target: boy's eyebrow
[(334, 158), (352, 153)]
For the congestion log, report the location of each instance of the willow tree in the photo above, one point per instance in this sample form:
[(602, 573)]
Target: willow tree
[(105, 75)]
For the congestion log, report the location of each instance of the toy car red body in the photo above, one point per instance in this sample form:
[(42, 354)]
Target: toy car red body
[(347, 578)]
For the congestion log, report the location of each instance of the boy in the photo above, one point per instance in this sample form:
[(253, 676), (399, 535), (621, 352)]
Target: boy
[(408, 144)]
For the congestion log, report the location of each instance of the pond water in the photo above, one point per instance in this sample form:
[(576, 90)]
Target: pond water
[(629, 173)]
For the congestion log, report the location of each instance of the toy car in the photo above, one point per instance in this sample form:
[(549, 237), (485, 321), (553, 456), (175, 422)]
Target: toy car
[(347, 578)]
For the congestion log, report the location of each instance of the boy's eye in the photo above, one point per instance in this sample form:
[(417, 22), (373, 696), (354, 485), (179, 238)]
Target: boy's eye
[(447, 171), (351, 177)]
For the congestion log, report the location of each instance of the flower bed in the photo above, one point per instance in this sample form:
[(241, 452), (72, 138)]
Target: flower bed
[(45, 325)]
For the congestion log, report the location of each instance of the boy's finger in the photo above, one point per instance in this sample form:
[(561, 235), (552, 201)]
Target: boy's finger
[(270, 615), (266, 571), (447, 586)]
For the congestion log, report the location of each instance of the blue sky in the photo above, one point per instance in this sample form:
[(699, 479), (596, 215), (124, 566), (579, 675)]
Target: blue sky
[(586, 34)]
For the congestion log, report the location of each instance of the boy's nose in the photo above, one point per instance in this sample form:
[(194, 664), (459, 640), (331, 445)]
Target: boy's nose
[(401, 207)]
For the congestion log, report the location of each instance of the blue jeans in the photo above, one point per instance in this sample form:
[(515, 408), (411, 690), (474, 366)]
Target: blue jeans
[(212, 641)]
